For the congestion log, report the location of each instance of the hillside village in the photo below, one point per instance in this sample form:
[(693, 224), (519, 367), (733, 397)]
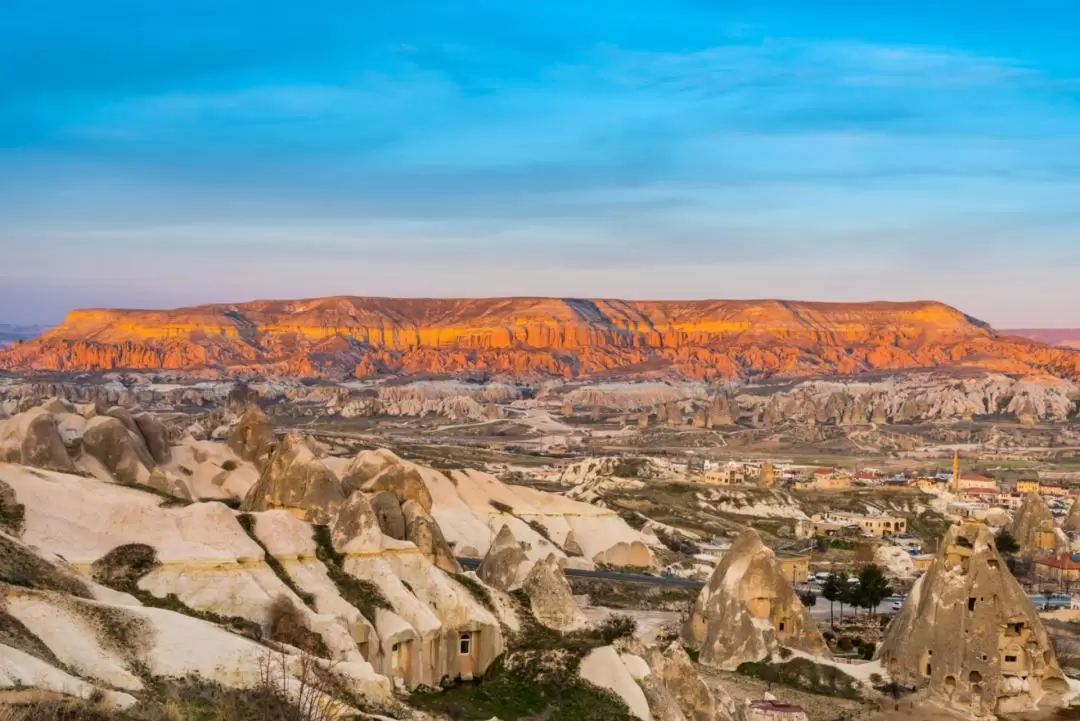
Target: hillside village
[(269, 562)]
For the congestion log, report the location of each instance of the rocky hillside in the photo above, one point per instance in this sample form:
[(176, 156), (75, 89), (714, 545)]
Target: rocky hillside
[(1064, 337), (346, 337)]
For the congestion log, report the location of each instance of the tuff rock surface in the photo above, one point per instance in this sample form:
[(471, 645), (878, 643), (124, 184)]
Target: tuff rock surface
[(552, 601), (749, 610), (968, 635)]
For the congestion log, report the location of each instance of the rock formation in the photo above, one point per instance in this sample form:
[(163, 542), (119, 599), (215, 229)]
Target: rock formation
[(506, 565), (713, 339), (1034, 528), (749, 610), (552, 601), (33, 439), (969, 637), (387, 508), (156, 437), (295, 480), (119, 450), (423, 532), (252, 438)]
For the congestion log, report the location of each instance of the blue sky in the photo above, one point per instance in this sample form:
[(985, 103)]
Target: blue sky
[(154, 154)]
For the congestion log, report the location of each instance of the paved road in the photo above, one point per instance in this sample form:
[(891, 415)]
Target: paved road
[(612, 576)]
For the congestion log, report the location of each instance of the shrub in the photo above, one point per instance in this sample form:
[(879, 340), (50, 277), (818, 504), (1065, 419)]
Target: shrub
[(229, 465), (20, 567), (125, 564), (286, 625), (12, 513), (247, 522), (805, 675), (501, 507), (477, 589), (785, 653)]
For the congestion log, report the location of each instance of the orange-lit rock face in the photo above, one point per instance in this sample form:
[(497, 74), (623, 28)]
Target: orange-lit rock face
[(340, 337)]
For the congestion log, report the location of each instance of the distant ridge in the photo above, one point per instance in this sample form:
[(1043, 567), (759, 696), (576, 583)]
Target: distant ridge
[(342, 337), (1063, 337)]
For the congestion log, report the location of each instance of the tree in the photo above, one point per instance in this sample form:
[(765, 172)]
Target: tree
[(1006, 544), (832, 591), (843, 590), (873, 587)]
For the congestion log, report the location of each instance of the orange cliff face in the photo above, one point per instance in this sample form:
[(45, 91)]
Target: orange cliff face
[(710, 339)]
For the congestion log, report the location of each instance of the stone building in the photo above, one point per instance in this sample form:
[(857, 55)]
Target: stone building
[(968, 636)]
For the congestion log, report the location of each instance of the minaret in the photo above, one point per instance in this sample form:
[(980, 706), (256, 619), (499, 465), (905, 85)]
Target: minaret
[(956, 472)]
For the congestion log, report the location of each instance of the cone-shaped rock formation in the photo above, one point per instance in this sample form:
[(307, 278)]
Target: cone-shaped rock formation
[(969, 637), (1034, 527), (506, 563), (294, 479), (749, 610), (553, 603)]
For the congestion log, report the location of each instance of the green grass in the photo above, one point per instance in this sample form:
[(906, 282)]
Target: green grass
[(804, 675), (247, 522), (537, 676), (364, 595), (477, 589)]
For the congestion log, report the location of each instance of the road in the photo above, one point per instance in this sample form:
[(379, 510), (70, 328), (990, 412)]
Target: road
[(472, 563)]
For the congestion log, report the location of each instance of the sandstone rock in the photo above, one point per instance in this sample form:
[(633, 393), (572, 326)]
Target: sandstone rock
[(676, 691), (1072, 521), (424, 532), (387, 509), (156, 437), (571, 546), (253, 438), (749, 610), (295, 480), (404, 482), (124, 416), (354, 527), (42, 446), (506, 565), (604, 668), (108, 440), (57, 406), (995, 656), (552, 600), (704, 340), (1034, 528)]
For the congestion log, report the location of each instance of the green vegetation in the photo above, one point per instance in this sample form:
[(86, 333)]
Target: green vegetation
[(537, 676), (119, 630), (477, 589), (541, 529), (125, 564), (502, 507), (804, 675), (14, 634), (20, 567), (229, 465), (364, 595), (1006, 544), (633, 595), (630, 467), (12, 513), (121, 569), (247, 522)]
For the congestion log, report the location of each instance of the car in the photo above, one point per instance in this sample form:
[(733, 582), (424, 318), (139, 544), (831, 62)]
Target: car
[(897, 605)]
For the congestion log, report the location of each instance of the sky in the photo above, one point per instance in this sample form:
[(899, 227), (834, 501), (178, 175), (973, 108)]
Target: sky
[(156, 154)]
